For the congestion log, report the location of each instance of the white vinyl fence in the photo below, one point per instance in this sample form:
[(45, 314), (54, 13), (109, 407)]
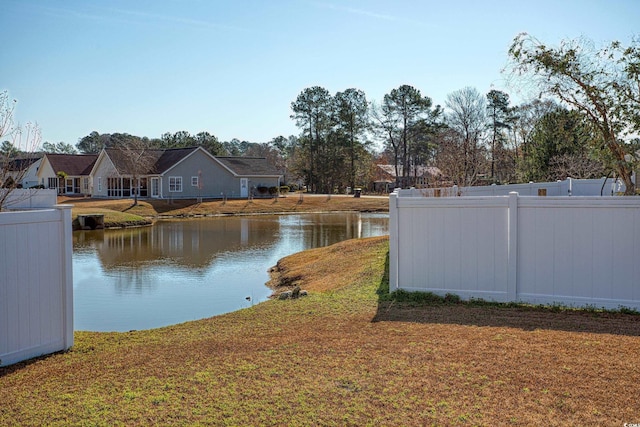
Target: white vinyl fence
[(568, 187), (30, 199), (575, 251), (36, 284)]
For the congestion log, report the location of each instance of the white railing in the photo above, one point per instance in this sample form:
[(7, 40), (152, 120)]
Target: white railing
[(36, 283), (574, 251)]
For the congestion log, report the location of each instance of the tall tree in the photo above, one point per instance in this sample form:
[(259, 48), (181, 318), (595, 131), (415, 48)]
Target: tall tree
[(58, 148), (93, 143), (312, 113), (210, 143), (524, 119), (593, 82), (286, 148), (498, 114), (400, 111), (562, 145), (424, 141), (180, 139), (467, 118), (352, 122)]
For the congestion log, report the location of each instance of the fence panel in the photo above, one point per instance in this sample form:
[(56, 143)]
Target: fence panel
[(579, 251), (454, 245), (570, 250), (30, 199), (568, 187), (36, 285)]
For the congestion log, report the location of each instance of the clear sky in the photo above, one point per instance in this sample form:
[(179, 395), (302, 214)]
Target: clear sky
[(233, 67)]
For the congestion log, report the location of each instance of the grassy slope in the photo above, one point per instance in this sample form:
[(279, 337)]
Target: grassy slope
[(341, 357), (122, 212)]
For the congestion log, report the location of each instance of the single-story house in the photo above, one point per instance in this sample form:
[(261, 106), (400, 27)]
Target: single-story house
[(68, 173), (385, 178), (23, 172), (179, 173)]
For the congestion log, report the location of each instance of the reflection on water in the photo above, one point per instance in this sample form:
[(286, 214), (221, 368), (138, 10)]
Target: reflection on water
[(183, 270)]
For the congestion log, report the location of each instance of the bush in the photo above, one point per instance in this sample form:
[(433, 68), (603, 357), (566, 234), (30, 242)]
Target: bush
[(262, 190), (273, 190), (452, 298), (284, 189)]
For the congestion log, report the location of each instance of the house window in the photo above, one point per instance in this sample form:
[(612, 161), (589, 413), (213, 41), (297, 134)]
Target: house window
[(175, 184), (85, 185), (194, 181), (53, 183), (99, 184), (114, 187)]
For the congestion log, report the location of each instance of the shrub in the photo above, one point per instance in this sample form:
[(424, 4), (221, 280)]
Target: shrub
[(452, 298)]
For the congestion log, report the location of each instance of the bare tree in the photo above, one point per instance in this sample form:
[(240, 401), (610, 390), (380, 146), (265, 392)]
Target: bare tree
[(575, 166), (135, 160), (18, 147), (466, 116)]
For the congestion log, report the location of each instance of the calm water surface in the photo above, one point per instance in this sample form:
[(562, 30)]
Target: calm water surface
[(184, 270)]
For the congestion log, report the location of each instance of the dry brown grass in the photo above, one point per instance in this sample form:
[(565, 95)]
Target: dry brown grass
[(292, 203), (339, 357)]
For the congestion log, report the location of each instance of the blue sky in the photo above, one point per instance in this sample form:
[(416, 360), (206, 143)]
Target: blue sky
[(233, 67)]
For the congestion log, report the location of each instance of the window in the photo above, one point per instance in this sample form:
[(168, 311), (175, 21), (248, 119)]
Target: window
[(53, 183), (175, 184), (99, 183), (85, 185), (194, 181)]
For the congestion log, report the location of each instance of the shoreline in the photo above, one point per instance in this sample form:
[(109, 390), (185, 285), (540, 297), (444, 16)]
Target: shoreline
[(122, 213)]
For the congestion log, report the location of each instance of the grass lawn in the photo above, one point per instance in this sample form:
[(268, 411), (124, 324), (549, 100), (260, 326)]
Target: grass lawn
[(345, 355)]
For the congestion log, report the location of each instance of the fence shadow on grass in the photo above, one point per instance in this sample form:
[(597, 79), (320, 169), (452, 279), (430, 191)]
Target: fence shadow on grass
[(430, 309)]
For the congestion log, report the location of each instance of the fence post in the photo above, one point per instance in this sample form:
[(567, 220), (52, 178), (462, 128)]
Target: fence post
[(66, 250), (393, 241), (512, 233)]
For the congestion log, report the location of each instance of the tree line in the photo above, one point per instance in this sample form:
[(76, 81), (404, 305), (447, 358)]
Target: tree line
[(584, 123)]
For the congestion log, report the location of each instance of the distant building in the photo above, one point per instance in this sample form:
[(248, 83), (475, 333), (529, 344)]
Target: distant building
[(385, 178), (23, 172), (178, 173)]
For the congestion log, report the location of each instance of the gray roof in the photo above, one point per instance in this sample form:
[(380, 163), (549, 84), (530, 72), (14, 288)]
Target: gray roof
[(18, 165), (162, 160), (159, 161), (72, 164), (249, 166)]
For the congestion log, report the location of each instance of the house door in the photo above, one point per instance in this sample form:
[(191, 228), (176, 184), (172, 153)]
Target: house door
[(69, 186), (244, 187), (155, 187), (142, 187)]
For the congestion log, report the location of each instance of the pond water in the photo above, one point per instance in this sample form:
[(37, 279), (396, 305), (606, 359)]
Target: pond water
[(184, 270)]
